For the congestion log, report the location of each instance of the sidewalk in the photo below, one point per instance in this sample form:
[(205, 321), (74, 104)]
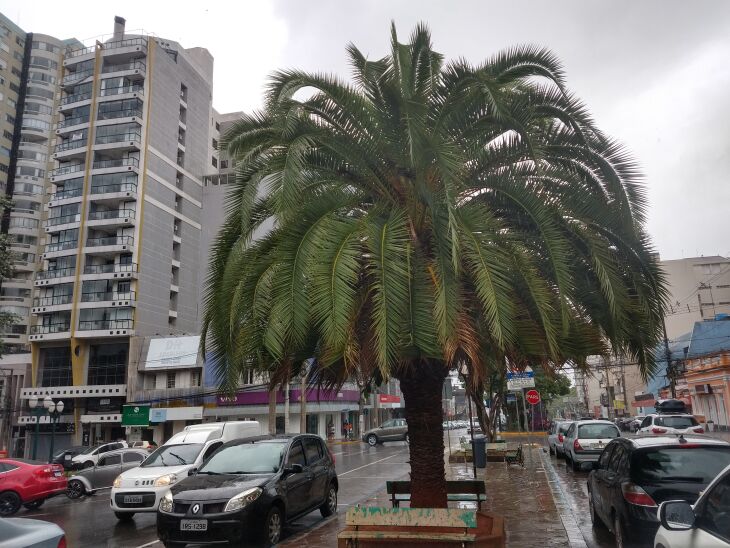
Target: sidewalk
[(523, 496)]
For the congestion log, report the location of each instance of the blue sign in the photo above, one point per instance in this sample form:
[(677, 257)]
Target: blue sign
[(511, 397), (158, 414)]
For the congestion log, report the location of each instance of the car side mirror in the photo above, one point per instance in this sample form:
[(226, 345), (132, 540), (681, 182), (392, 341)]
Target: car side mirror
[(294, 469), (192, 471), (676, 515)]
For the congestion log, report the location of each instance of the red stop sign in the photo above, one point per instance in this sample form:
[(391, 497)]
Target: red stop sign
[(533, 397)]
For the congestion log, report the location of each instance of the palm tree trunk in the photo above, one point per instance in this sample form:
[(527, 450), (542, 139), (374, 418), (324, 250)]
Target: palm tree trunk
[(422, 384)]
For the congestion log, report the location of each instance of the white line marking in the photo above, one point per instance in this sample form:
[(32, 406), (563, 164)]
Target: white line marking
[(366, 465), (148, 544)]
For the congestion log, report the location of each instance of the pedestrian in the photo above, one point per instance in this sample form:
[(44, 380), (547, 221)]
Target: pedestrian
[(348, 428), (331, 430)]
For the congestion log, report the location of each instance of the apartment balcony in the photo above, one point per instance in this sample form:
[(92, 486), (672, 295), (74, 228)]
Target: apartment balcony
[(79, 391), (44, 305), (122, 51), (113, 194), (108, 299), (79, 55), (70, 149), (67, 172), (62, 222), (121, 92), (75, 78), (70, 102), (116, 271), (132, 70), (119, 165), (60, 249), (105, 328), (127, 141), (112, 218), (127, 115), (109, 245), (50, 332), (66, 196), (54, 277), (72, 124)]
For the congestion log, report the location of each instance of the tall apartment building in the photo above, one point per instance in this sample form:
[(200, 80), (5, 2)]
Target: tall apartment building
[(119, 253)]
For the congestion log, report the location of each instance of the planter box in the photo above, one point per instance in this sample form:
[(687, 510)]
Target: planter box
[(413, 527)]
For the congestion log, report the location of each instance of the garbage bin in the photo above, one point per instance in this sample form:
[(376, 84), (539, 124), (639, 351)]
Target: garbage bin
[(479, 451)]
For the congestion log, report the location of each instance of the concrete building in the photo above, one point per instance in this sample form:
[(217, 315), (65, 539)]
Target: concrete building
[(121, 247)]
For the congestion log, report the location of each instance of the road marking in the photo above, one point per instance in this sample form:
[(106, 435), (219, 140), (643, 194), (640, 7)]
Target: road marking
[(366, 465), (148, 544)]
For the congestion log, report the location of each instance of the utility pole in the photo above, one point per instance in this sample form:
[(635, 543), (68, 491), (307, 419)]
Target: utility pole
[(303, 400), (286, 408), (272, 410), (608, 388)]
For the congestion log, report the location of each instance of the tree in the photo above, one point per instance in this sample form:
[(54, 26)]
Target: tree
[(551, 385), (7, 270), (424, 217)]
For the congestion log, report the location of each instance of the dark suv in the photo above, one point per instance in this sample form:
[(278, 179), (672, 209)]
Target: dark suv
[(248, 489), (634, 475)]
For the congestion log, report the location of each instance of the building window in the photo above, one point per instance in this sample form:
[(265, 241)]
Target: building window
[(214, 161), (183, 92), (108, 364), (171, 379), (215, 144), (10, 120), (195, 378), (224, 164), (57, 367), (7, 134)]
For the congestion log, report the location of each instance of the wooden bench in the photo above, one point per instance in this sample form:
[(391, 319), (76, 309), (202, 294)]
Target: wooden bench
[(404, 526), (457, 491), (515, 457)]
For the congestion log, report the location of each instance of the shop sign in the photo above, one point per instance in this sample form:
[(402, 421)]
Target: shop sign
[(136, 415)]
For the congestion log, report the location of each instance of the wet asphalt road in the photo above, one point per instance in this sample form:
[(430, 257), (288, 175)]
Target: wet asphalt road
[(89, 522)]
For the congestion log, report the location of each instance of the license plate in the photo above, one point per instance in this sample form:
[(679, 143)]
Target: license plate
[(57, 473), (132, 499), (67, 457), (194, 525)]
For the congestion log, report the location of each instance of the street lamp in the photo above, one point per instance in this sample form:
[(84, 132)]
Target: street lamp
[(54, 410), (37, 412)]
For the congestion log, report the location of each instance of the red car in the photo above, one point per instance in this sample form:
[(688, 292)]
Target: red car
[(28, 483)]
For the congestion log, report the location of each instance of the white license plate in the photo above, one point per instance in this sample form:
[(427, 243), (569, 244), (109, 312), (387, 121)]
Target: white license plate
[(67, 457), (132, 499), (194, 525), (57, 473), (597, 446)]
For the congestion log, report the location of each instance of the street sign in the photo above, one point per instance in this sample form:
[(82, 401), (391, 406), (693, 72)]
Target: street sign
[(517, 380), (511, 397), (136, 415), (533, 397)]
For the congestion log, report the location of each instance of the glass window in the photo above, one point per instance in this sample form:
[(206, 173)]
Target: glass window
[(174, 455), (247, 458), (312, 449), (133, 457), (676, 422), (646, 422), (597, 431), (56, 367), (605, 457), (110, 460), (388, 424), (616, 456), (715, 514), (212, 449), (296, 455), (689, 463)]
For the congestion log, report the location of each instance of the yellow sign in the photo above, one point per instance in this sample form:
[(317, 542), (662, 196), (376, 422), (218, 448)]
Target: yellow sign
[(619, 404)]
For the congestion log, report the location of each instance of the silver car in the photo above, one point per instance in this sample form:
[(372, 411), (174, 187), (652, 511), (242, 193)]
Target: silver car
[(556, 436), (30, 533), (392, 430), (103, 473), (585, 440)]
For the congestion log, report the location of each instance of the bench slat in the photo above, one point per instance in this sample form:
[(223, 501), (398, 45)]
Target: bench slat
[(412, 517), (458, 537)]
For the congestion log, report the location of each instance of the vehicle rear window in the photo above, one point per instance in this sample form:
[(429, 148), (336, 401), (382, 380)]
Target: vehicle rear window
[(563, 428), (689, 464), (595, 431), (676, 422)]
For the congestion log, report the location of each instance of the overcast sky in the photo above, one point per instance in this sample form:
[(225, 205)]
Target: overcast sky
[(656, 74)]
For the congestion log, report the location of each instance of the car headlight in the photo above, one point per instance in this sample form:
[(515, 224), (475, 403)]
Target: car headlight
[(117, 482), (167, 479), (166, 502), (243, 499)]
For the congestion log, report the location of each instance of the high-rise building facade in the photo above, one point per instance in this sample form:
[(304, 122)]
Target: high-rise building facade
[(119, 253)]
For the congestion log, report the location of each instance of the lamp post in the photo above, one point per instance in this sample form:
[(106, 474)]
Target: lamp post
[(37, 412), (54, 411)]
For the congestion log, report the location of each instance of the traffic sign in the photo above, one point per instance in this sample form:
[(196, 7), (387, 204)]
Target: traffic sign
[(533, 397), (517, 380)]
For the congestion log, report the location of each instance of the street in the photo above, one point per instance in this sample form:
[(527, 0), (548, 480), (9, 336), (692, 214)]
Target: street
[(89, 522)]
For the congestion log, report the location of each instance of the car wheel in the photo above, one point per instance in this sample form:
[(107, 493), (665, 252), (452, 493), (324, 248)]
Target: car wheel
[(551, 450), (35, 504), (87, 464), (595, 520), (372, 440), (408, 439), (124, 516), (273, 526), (330, 504), (75, 489), (576, 465), (9, 503), (619, 532)]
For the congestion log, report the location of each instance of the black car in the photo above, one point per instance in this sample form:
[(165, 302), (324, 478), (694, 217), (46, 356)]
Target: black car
[(64, 457), (634, 475), (248, 489)]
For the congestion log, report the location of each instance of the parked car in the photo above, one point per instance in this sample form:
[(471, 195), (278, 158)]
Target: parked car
[(585, 440), (249, 489), (704, 525), (64, 456), (148, 445), (140, 489), (634, 475), (556, 437), (30, 533), (635, 424), (28, 483), (90, 455), (390, 430), (103, 473), (660, 424)]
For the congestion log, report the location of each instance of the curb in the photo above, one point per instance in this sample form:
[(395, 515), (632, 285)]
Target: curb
[(343, 442)]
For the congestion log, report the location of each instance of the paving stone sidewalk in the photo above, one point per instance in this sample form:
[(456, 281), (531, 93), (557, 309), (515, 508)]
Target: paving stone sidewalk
[(523, 496)]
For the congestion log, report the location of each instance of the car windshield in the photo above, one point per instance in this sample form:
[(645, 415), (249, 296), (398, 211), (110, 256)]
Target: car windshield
[(246, 458), (676, 422), (564, 427), (595, 431), (89, 450), (691, 463), (174, 455)]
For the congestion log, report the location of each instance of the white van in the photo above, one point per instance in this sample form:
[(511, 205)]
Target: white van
[(140, 489)]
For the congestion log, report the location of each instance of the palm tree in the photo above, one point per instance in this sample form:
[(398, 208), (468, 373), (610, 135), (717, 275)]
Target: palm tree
[(424, 217)]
